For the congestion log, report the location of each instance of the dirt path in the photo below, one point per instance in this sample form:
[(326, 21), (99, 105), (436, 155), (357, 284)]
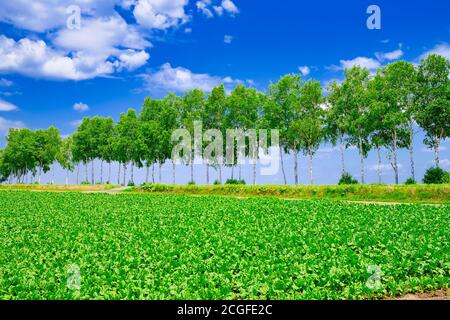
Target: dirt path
[(436, 295)]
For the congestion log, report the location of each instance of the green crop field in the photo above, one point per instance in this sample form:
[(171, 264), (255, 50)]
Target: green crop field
[(145, 246)]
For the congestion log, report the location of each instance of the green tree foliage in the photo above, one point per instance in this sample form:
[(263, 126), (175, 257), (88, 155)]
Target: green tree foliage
[(355, 112), (388, 95), (278, 113), (366, 111), (433, 101)]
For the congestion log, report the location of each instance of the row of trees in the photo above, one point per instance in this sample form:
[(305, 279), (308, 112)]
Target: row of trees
[(366, 111)]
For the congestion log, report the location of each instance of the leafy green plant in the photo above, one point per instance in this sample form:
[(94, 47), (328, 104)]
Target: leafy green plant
[(436, 175), (410, 181), (140, 246), (346, 179), (235, 181)]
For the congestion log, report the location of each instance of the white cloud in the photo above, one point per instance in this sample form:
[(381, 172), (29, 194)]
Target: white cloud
[(363, 62), (132, 59), (218, 10), (206, 8), (228, 39), (101, 35), (6, 124), (160, 14), (180, 79), (229, 6), (45, 15), (35, 58), (304, 70), (442, 49), (188, 30), (6, 106), (202, 6), (393, 55), (80, 107), (5, 83)]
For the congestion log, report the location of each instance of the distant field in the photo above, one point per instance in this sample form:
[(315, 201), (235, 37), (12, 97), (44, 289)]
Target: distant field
[(57, 187), (145, 246), (388, 193)]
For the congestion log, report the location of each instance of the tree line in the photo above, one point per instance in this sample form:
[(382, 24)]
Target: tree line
[(366, 111)]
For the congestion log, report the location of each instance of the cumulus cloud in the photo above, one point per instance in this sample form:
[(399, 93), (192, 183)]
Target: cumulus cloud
[(202, 6), (206, 7), (104, 44), (6, 106), (45, 15), (6, 124), (304, 70), (230, 7), (160, 14), (442, 49), (80, 107), (180, 79), (363, 62), (393, 55), (37, 59)]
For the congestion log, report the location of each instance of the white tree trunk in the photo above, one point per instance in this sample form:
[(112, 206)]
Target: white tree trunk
[(153, 173), (436, 151), (411, 149), (342, 147), (295, 165), (311, 168), (361, 154), (207, 174), (395, 165), (379, 165), (282, 165), (92, 171), (125, 173)]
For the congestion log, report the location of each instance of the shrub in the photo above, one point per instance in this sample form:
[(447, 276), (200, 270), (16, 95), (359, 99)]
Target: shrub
[(436, 175), (410, 181), (191, 183), (85, 183), (346, 178), (235, 181), (131, 184), (217, 182)]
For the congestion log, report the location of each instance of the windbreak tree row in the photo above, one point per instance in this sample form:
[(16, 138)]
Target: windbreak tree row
[(366, 111)]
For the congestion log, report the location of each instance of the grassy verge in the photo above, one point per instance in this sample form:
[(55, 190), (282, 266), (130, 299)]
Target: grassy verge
[(58, 187), (382, 193)]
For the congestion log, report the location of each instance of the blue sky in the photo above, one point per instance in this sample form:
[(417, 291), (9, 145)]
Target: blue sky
[(126, 50)]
